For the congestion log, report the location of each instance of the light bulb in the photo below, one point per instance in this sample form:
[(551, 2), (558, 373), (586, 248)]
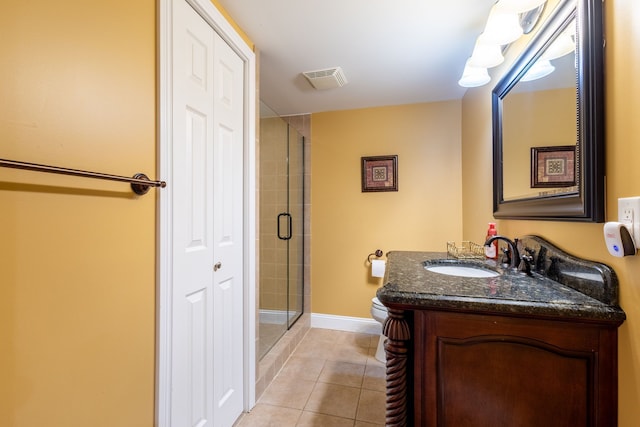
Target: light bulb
[(560, 47), (486, 55), (538, 70), (502, 27), (474, 76)]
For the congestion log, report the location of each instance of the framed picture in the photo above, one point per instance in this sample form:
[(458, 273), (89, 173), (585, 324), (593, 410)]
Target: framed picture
[(380, 173), (553, 166)]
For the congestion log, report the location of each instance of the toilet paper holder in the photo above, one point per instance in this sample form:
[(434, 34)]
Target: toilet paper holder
[(377, 253)]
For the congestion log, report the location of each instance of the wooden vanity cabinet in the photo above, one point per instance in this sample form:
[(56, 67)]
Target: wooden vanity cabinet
[(495, 370)]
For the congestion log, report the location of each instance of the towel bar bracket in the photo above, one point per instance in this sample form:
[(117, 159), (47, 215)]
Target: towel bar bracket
[(140, 188)]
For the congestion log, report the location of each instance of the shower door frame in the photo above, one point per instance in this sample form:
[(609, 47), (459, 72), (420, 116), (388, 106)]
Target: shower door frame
[(300, 139)]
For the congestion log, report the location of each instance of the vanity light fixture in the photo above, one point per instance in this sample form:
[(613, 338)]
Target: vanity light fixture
[(504, 26), (485, 54), (561, 46), (540, 69), (474, 76)]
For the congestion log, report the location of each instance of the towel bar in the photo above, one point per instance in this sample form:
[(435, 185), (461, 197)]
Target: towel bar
[(140, 183)]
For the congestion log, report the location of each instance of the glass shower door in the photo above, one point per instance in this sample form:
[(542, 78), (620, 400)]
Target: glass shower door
[(281, 228)]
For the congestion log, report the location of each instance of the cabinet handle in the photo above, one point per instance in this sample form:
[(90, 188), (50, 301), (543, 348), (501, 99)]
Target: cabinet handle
[(217, 266)]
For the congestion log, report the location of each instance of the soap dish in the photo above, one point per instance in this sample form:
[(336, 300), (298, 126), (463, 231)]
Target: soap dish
[(467, 250)]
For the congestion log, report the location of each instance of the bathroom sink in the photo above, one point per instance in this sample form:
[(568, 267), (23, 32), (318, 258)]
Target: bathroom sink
[(460, 269)]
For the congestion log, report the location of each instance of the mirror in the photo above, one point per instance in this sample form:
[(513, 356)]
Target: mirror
[(548, 122)]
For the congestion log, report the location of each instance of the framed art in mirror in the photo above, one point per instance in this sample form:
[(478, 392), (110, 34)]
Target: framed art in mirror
[(553, 166)]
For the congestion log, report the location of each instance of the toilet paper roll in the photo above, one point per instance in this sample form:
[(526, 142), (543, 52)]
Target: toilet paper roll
[(377, 267)]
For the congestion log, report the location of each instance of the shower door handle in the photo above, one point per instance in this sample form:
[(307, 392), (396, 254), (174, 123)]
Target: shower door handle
[(288, 218)]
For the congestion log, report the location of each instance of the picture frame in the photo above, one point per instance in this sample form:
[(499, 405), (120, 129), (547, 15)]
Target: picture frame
[(553, 166), (379, 173)]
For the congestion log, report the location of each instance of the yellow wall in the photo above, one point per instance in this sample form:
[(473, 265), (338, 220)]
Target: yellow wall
[(77, 302), (77, 256), (623, 179), (347, 225)]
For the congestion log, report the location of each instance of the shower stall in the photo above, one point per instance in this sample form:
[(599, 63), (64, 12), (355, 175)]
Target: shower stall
[(281, 247)]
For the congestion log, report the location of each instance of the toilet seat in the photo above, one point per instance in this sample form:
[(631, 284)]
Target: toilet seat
[(377, 304), (379, 313)]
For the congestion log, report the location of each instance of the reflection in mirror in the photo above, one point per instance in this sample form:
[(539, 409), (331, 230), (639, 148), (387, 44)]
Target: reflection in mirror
[(548, 130), (539, 112)]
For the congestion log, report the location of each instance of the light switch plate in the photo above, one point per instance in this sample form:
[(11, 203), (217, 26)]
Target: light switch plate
[(629, 215)]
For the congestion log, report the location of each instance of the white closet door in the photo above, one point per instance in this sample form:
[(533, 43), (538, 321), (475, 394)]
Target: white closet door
[(228, 75), (206, 348)]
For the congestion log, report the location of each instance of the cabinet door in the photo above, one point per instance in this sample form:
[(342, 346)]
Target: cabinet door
[(498, 371)]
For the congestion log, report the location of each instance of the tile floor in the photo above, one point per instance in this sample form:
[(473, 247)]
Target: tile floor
[(331, 379)]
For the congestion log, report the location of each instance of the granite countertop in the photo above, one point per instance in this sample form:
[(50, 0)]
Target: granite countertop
[(408, 285)]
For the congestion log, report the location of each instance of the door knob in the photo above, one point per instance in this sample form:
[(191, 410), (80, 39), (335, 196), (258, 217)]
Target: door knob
[(217, 266)]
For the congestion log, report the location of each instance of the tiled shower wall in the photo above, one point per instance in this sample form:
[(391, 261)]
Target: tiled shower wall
[(273, 198)]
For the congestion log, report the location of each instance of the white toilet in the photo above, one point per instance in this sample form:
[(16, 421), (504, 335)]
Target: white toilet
[(379, 313)]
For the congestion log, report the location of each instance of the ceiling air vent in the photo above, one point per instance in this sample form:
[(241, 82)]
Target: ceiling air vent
[(326, 79)]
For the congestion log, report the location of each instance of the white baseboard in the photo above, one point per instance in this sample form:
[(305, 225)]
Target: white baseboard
[(346, 323)]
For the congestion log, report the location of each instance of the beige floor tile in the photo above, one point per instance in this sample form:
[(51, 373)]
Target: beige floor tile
[(372, 352), (288, 392), (371, 359), (305, 368), (333, 399), (375, 378), (326, 336), (270, 416), (355, 339), (314, 349), (374, 341), (343, 373), (332, 379), (312, 419), (347, 353), (371, 406)]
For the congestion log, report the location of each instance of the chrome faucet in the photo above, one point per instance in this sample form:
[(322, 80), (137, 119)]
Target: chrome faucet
[(513, 248)]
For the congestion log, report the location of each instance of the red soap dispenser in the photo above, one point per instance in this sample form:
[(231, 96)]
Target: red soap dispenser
[(491, 251)]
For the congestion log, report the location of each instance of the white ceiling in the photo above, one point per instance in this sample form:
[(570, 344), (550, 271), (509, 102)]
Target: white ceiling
[(392, 52)]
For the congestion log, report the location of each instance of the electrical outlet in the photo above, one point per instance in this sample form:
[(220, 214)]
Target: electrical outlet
[(629, 215)]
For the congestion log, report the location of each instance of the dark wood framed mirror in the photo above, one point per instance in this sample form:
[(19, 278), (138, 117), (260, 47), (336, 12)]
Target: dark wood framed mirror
[(532, 115)]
